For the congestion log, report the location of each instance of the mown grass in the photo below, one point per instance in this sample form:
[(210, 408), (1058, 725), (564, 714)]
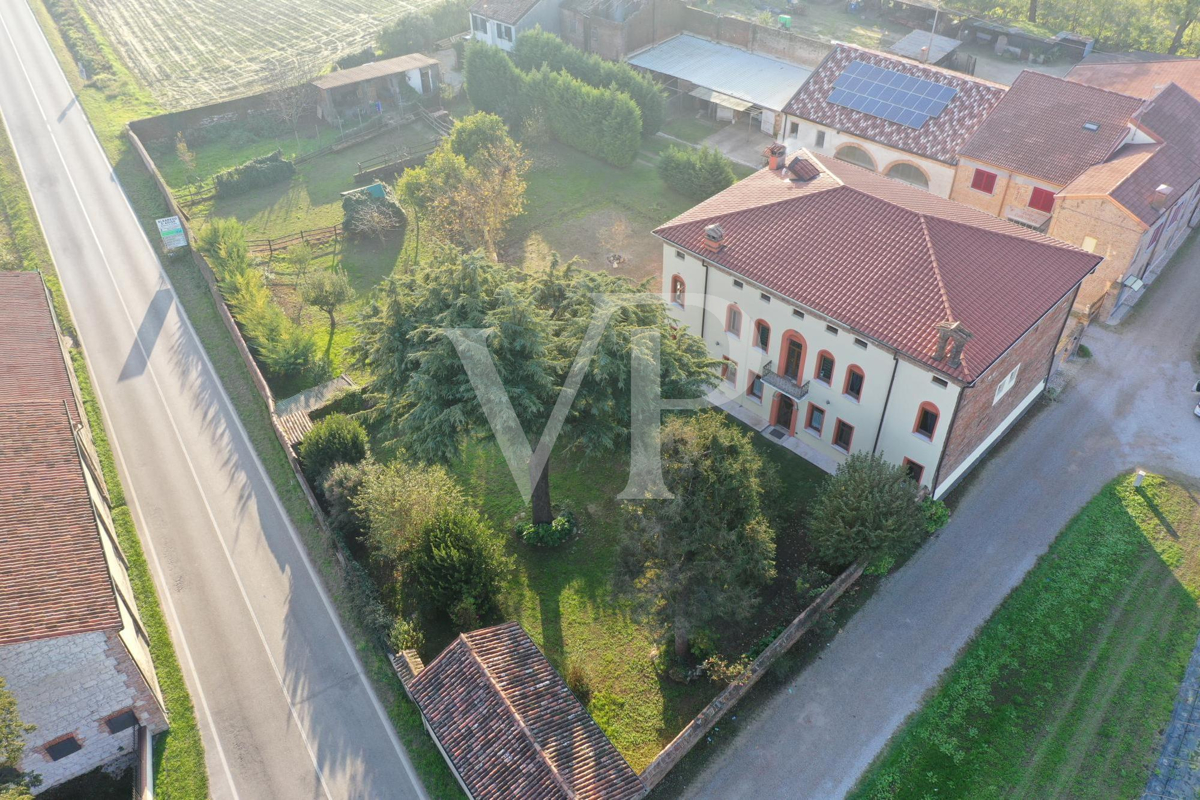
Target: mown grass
[(179, 753), (110, 108), (1065, 691)]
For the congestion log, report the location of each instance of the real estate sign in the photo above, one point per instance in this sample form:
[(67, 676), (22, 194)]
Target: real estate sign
[(171, 230)]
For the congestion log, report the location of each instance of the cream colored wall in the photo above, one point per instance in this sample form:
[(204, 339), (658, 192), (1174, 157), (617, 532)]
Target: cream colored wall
[(941, 176), (1012, 189), (913, 384)]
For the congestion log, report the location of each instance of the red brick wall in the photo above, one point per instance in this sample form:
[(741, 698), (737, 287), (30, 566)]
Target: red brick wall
[(976, 417)]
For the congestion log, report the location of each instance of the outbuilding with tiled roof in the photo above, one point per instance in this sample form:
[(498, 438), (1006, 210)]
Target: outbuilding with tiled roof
[(855, 313), (898, 117), (1141, 78), (509, 726)]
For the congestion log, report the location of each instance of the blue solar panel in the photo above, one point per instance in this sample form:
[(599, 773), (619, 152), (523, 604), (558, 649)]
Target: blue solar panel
[(887, 94)]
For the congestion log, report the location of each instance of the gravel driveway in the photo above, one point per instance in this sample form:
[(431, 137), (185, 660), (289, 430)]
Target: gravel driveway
[(1128, 406)]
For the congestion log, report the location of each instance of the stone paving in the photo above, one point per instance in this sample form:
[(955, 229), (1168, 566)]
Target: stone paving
[(1177, 773)]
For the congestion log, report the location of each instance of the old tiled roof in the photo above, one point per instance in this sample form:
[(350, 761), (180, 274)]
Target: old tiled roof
[(375, 69), (1038, 128), (940, 138), (1135, 172), (511, 727), (507, 11), (886, 259), (1141, 79), (32, 363), (53, 576)]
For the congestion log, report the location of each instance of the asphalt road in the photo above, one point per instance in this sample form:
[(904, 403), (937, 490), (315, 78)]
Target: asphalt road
[(284, 706), (1128, 407)]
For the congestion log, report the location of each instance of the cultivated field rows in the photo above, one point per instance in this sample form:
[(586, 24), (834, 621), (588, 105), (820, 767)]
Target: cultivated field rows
[(193, 52)]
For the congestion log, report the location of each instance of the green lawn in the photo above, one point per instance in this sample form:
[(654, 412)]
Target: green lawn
[(691, 128), (1066, 689)]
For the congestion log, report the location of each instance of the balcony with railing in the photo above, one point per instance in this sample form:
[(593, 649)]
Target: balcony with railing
[(782, 383)]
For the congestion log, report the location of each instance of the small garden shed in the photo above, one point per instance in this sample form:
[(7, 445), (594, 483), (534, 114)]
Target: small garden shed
[(375, 87)]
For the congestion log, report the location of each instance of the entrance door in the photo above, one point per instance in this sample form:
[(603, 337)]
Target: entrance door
[(791, 364), (787, 410), (426, 82)]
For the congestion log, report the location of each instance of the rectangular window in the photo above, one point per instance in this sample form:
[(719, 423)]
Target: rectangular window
[(797, 313), (816, 419), (832, 331), (820, 138), (915, 470), (861, 344), (825, 370), (843, 435), (121, 722), (983, 181), (738, 284), (505, 32), (793, 129), (756, 386), (679, 254), (942, 382), (1041, 199), (63, 748), (766, 298), (1010, 380), (479, 23), (729, 370)]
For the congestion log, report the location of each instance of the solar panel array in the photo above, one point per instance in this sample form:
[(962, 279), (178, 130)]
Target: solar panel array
[(890, 95)]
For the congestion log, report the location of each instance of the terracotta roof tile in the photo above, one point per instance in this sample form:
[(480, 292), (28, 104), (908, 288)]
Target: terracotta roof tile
[(1141, 79), (53, 577), (32, 363), (511, 727), (940, 138), (887, 259), (1038, 128)]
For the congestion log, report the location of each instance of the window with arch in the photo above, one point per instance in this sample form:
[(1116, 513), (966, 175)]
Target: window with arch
[(791, 356), (762, 335), (855, 378), (927, 420), (824, 371), (854, 154), (915, 470), (908, 173), (843, 435), (733, 320), (678, 290)]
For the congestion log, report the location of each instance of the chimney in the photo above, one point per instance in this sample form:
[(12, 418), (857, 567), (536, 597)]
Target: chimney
[(951, 335), (775, 153), (714, 238), (1161, 195)]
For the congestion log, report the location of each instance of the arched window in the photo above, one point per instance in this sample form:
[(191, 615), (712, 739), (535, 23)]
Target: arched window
[(762, 335), (791, 356), (678, 290), (824, 370), (927, 420), (733, 320), (855, 378), (856, 155), (909, 174)]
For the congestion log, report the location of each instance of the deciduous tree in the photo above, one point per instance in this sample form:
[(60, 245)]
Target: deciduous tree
[(328, 290)]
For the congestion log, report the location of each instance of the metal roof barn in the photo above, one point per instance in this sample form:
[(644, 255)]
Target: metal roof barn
[(760, 80)]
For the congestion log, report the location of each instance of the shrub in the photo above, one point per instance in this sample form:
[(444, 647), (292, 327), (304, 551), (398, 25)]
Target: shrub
[(342, 486), (397, 502), (458, 565), (698, 174), (724, 671), (405, 635), (255, 173), (79, 37), (548, 535), (536, 48), (1083, 351), (703, 643), (866, 509), (416, 31), (936, 515), (578, 682), (337, 439), (364, 56)]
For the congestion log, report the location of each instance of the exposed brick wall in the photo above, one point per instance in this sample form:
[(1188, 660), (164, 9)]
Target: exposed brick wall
[(977, 416), (70, 685), (1117, 238)]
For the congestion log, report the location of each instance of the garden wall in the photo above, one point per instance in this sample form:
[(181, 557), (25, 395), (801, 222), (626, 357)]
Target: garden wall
[(165, 126)]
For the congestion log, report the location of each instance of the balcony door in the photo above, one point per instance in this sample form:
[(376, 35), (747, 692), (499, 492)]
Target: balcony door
[(792, 360)]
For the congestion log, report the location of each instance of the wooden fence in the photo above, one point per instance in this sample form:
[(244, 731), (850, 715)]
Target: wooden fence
[(280, 244)]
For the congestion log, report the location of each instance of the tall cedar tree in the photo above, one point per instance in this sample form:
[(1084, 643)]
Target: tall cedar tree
[(537, 327), (703, 555), (868, 508)]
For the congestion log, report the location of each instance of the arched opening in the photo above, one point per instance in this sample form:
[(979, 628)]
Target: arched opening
[(910, 174), (784, 414), (854, 154), (791, 356), (678, 290)]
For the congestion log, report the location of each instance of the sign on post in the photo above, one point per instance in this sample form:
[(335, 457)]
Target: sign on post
[(171, 230)]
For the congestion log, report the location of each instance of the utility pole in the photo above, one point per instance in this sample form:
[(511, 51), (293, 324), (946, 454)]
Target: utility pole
[(932, 31)]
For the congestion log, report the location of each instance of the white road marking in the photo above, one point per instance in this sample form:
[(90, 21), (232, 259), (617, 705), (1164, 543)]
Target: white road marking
[(390, 729)]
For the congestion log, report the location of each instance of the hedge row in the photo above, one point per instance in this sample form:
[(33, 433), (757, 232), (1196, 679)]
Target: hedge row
[(416, 31), (698, 174), (254, 174), (282, 346), (537, 48), (79, 37), (602, 122)]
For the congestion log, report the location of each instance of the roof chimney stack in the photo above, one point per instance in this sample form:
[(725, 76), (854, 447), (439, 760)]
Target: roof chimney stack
[(775, 154), (714, 238), (1161, 195), (952, 338)]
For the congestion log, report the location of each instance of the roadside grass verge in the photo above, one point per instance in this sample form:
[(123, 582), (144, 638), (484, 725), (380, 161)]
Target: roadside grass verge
[(109, 110), (179, 753), (1065, 691)]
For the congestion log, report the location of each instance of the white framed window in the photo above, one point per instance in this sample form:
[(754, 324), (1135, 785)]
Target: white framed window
[(1010, 380), (505, 32), (479, 24)]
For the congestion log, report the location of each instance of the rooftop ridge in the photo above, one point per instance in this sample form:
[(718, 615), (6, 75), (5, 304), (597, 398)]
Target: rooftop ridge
[(937, 272), (558, 778)]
